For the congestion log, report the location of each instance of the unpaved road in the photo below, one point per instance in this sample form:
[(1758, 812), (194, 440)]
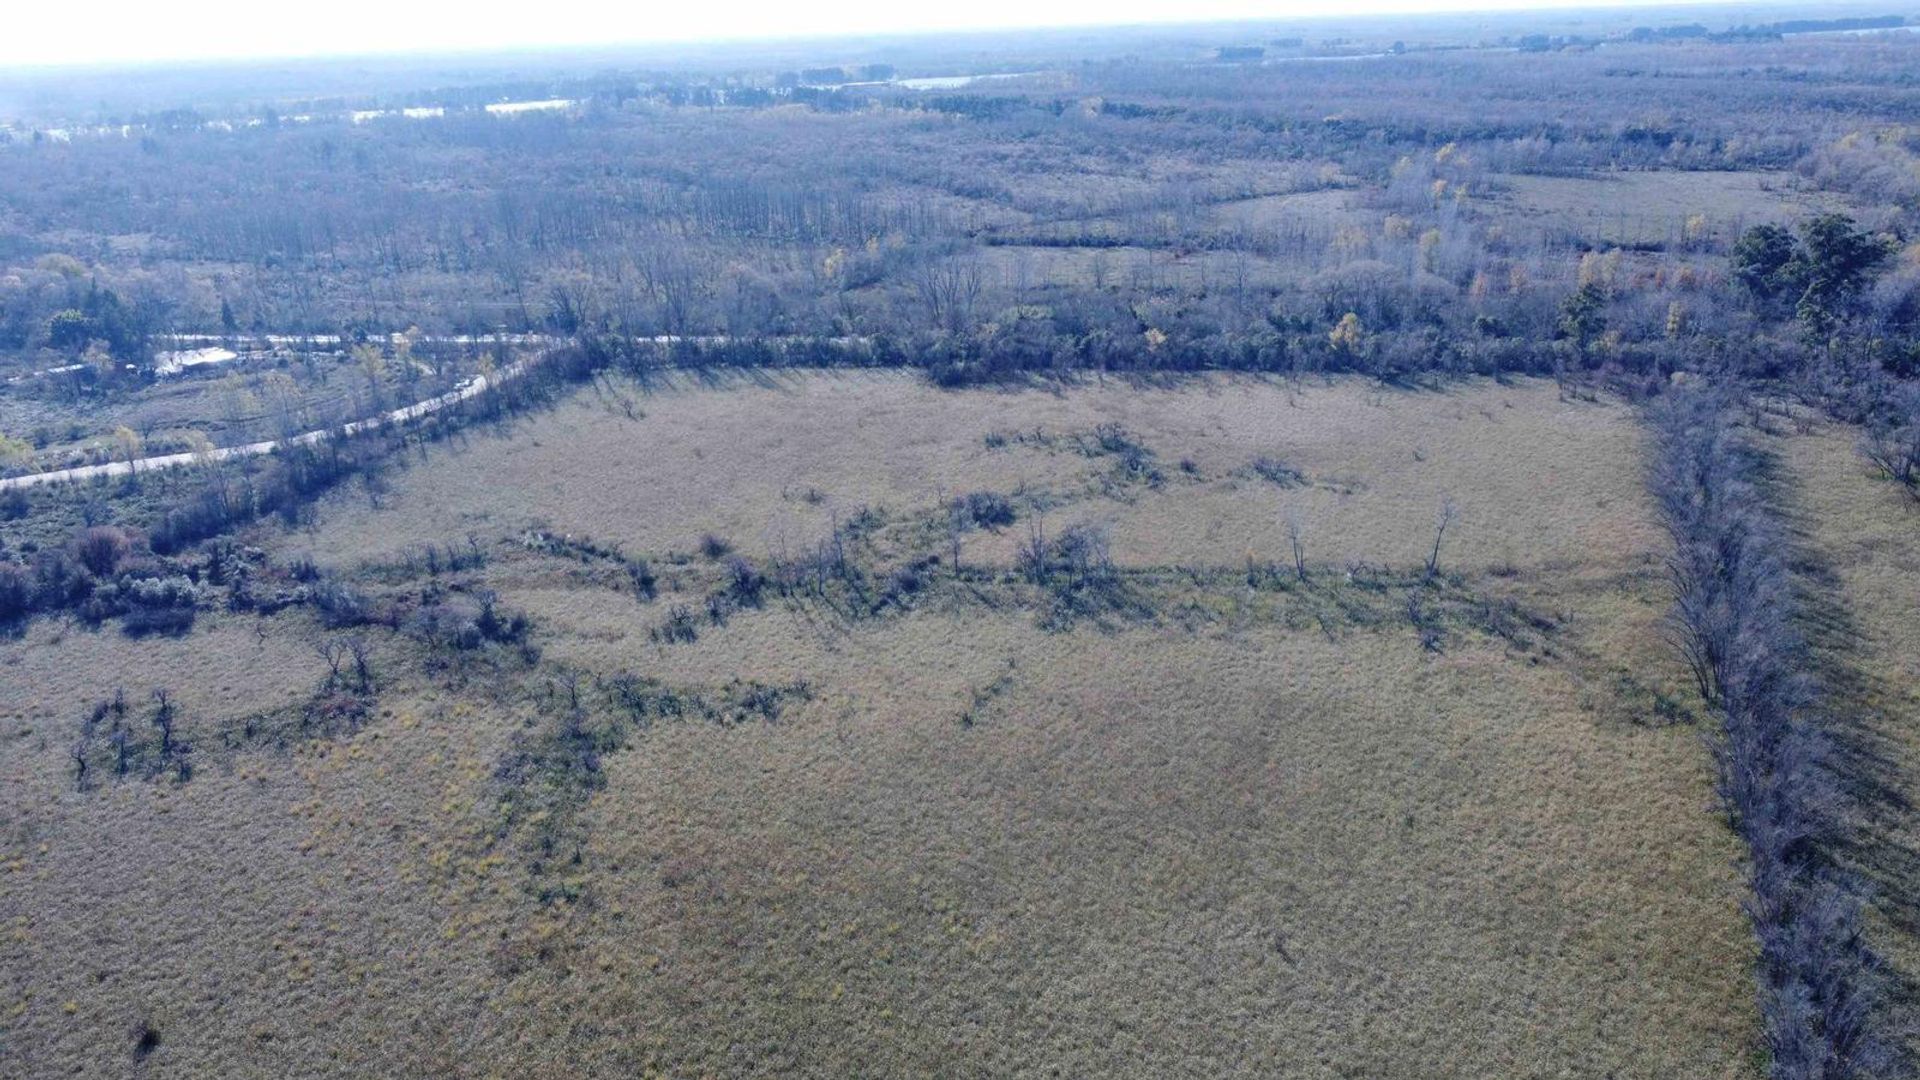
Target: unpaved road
[(472, 387)]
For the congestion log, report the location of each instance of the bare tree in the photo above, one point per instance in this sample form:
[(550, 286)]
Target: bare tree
[(78, 753), (333, 651), (1033, 550), (356, 647), (1894, 449), (1297, 540), (1445, 517), (949, 288), (163, 718), (957, 519)]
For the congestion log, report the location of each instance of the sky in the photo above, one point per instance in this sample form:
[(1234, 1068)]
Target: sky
[(119, 31)]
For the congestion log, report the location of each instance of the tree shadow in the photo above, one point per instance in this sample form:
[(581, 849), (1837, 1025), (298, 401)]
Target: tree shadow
[(1879, 817)]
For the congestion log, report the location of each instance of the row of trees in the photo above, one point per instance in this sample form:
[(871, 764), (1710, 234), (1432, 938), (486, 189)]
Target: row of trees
[(1820, 986)]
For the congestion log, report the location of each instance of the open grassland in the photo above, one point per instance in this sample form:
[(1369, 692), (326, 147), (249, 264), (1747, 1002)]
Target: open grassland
[(1186, 815), (1366, 469), (1862, 538), (1653, 207)]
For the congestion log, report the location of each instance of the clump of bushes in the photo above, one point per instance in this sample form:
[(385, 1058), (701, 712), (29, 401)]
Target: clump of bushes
[(680, 627), (466, 623), (986, 509), (1275, 471), (1135, 460), (106, 572), (147, 605), (16, 592)]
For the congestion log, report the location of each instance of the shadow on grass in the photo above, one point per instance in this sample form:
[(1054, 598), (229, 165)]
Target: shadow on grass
[(1880, 818)]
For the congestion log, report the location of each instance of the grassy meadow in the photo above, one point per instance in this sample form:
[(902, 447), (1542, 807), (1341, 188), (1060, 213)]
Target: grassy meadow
[(1171, 808)]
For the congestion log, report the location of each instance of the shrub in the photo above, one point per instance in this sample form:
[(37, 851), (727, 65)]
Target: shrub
[(16, 592), (339, 605), (680, 627), (645, 584), (744, 583), (1275, 471), (987, 509), (101, 548), (59, 579)]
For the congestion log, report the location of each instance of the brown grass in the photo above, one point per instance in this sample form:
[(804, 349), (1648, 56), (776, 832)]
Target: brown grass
[(1379, 463), (1213, 841), (1652, 206)]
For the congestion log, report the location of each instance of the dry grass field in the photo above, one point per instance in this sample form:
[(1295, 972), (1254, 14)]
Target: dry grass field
[(1653, 207), (1199, 819), (784, 454)]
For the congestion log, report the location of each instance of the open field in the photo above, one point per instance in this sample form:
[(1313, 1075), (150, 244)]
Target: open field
[(1233, 824), (1374, 465), (1653, 208)]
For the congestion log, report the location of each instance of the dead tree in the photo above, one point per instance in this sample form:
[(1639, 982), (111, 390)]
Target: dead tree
[(956, 531), (79, 754), (163, 718), (1444, 518), (334, 652), (357, 648), (1297, 540), (1033, 550)]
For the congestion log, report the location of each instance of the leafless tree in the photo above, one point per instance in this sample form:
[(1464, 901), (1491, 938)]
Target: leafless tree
[(1297, 540), (949, 288), (1444, 518), (357, 648), (163, 718), (1033, 550), (957, 519), (1894, 449), (334, 652)]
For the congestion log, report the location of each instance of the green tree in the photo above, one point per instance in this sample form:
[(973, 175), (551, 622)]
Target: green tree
[(69, 331), (1583, 315), (1836, 262), (1765, 261)]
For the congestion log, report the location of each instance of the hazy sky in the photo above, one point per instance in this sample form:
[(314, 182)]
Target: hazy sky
[(55, 32)]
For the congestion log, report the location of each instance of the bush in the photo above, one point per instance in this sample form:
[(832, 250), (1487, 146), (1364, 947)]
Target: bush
[(1275, 471), (681, 627), (16, 592), (101, 548), (744, 583), (339, 605), (645, 584), (987, 509), (59, 579)]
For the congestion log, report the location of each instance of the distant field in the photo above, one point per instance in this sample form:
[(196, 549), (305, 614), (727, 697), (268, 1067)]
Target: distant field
[(1230, 824), (1653, 206), (1373, 468)]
